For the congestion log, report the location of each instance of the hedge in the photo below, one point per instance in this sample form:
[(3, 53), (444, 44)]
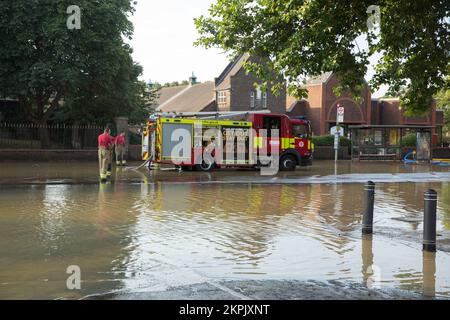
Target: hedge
[(328, 140), (410, 140)]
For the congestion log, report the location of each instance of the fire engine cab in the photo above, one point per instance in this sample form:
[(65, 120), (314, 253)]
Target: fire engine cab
[(231, 139)]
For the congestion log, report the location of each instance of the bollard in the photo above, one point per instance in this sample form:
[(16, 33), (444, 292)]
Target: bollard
[(429, 221), (369, 198)]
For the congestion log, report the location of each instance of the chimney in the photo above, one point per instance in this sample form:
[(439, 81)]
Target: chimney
[(192, 79)]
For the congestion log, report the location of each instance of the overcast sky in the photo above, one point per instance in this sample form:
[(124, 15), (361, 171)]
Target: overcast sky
[(163, 42), (164, 37)]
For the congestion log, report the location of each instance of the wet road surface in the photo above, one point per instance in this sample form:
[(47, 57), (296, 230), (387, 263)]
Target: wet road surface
[(146, 234)]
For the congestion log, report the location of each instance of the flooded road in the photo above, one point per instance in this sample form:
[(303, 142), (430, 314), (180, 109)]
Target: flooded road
[(155, 231)]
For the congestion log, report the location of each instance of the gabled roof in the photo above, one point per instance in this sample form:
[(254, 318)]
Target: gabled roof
[(323, 78), (167, 93), (295, 104), (193, 98), (223, 81)]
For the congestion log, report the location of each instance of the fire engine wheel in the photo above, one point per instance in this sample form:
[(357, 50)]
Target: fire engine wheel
[(288, 163), (206, 165)]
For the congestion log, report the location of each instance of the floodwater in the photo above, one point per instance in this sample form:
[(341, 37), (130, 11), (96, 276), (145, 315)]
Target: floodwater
[(153, 231)]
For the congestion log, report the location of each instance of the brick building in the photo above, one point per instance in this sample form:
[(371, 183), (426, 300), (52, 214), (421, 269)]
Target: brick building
[(321, 108), (234, 90)]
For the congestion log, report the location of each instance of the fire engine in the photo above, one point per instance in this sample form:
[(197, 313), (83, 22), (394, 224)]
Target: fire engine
[(252, 134)]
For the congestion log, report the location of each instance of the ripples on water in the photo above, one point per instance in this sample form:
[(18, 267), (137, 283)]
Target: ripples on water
[(150, 237)]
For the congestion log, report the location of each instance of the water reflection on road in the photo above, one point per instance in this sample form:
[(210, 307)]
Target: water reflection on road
[(144, 234)]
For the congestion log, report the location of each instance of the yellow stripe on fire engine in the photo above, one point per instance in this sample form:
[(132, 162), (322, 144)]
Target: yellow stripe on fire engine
[(287, 143), (158, 139), (258, 142), (207, 122)]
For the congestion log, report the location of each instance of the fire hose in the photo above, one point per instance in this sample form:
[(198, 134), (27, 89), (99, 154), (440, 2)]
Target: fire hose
[(411, 161), (139, 167)]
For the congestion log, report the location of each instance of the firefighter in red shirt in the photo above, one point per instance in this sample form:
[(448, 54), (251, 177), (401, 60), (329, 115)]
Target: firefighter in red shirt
[(120, 149), (105, 145)]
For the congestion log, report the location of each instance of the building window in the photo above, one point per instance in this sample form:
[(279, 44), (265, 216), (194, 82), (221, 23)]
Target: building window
[(258, 93), (221, 97), (252, 100), (222, 100), (264, 100)]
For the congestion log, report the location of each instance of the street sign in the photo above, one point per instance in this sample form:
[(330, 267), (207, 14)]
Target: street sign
[(337, 129), (336, 141), (340, 114)]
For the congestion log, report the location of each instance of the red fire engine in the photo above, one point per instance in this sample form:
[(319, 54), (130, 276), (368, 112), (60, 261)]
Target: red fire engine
[(256, 138)]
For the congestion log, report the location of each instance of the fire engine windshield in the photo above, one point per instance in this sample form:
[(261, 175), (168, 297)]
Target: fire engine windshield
[(301, 131)]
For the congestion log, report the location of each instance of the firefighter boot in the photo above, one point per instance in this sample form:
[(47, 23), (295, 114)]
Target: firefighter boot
[(109, 171), (103, 178)]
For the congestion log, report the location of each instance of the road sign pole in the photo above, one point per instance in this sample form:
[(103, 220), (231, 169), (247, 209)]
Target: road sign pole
[(339, 118), (336, 145)]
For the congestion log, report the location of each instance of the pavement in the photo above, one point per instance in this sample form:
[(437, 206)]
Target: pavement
[(268, 290)]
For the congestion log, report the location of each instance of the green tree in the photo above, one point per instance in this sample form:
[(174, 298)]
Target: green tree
[(443, 103), (174, 84), (58, 72), (155, 85), (298, 38), (134, 99)]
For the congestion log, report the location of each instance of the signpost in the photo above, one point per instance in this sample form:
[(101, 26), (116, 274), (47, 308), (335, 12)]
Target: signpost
[(336, 142), (340, 114), (337, 134)]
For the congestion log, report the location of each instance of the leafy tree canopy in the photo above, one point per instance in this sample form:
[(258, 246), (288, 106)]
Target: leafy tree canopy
[(60, 73), (443, 103), (299, 38)]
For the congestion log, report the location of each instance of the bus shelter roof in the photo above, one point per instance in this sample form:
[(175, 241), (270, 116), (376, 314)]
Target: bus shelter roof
[(390, 127)]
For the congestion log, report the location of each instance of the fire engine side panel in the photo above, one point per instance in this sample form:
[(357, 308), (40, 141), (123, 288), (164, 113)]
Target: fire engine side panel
[(237, 145), (176, 142), (178, 134)]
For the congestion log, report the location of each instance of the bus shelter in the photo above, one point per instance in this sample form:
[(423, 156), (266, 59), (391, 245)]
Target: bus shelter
[(384, 142)]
